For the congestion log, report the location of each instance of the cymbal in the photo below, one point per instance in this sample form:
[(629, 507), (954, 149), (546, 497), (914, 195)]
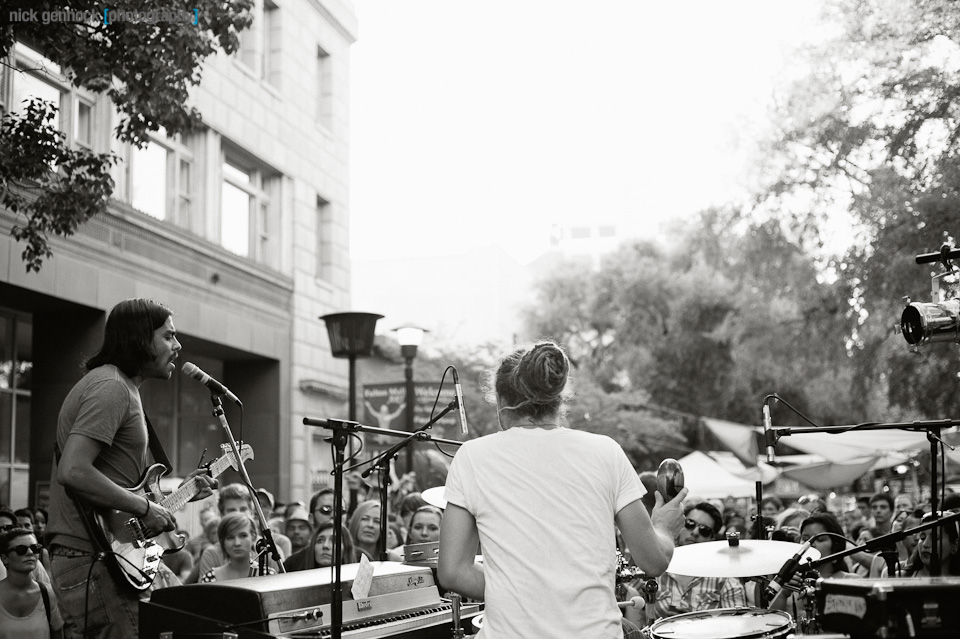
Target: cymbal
[(751, 558), (434, 497)]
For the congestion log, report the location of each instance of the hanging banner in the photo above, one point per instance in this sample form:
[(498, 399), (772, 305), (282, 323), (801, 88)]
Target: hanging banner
[(385, 406)]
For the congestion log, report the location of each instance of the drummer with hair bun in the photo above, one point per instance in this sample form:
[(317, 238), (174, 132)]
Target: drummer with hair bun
[(544, 500)]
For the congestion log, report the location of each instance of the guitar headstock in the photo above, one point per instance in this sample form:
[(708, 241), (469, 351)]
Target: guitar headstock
[(246, 453)]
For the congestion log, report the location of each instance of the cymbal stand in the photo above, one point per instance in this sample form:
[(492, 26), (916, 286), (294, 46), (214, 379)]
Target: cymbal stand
[(265, 544)]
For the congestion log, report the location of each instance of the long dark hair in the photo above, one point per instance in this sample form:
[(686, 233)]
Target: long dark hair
[(837, 541), (128, 335), (348, 555)]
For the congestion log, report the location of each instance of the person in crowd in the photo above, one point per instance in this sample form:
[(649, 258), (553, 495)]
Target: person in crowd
[(866, 564), (321, 506), (395, 535), (863, 505), (518, 493), (881, 507), (682, 593), (771, 506), (25, 519), (237, 535), (298, 529), (828, 539), (949, 538), (904, 503), (812, 503), (265, 498), (40, 523), (196, 545), (788, 524), (102, 449), (232, 498), (425, 525), (28, 609), (319, 554), (365, 530), (851, 519), (409, 505), (8, 521)]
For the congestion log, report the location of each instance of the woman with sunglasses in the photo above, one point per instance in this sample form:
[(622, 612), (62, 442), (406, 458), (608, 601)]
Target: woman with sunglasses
[(544, 501), (24, 610)]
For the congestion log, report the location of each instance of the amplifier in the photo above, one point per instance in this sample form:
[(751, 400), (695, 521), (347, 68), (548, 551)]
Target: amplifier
[(888, 608)]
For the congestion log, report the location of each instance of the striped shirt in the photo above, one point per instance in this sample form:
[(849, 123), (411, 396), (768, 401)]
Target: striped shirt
[(702, 593)]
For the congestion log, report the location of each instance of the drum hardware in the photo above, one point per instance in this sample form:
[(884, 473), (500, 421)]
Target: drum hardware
[(724, 623), (455, 612)]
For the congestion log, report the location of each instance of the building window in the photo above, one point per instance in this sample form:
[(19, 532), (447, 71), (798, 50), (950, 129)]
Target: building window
[(248, 225), (148, 179), (272, 37), (38, 76), (324, 240), (16, 367), (260, 44), (324, 88), (160, 179)]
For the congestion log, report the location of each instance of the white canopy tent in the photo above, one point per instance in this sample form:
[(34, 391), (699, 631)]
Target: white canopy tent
[(707, 479)]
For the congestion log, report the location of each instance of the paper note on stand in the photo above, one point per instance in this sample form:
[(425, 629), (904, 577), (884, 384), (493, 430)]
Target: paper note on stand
[(363, 580)]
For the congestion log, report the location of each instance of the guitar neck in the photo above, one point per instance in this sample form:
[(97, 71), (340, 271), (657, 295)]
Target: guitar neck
[(179, 498)]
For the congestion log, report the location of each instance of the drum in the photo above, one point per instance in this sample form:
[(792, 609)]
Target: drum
[(724, 623), (477, 623)]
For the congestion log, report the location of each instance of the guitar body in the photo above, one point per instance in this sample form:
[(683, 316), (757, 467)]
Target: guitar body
[(138, 556), (135, 551)]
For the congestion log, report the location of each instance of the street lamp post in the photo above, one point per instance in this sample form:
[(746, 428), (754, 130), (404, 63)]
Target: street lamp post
[(409, 338), (351, 336)]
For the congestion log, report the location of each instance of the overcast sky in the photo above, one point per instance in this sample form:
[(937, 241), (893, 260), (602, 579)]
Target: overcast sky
[(485, 122)]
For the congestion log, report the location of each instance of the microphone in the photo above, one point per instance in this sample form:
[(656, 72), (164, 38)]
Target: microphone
[(461, 411), (767, 425), (788, 570), (194, 372)]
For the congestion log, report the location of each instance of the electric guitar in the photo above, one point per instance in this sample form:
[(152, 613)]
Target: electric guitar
[(136, 551)]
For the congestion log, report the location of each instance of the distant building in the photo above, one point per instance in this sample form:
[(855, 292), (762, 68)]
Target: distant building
[(241, 228)]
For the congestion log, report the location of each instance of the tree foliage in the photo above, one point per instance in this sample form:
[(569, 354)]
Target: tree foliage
[(873, 132), (145, 65)]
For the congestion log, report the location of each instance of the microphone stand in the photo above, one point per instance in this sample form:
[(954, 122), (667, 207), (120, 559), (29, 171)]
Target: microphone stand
[(877, 543), (932, 427), (265, 544), (382, 464), (340, 429)]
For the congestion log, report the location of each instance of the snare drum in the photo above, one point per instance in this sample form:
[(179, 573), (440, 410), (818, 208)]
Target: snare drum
[(724, 623)]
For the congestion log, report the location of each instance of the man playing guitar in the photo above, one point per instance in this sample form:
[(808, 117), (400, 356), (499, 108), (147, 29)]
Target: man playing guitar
[(102, 437)]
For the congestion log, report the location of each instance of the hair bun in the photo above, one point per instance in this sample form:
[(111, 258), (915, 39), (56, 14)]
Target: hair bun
[(542, 373)]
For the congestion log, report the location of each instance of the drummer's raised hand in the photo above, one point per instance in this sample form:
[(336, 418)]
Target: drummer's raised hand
[(668, 516)]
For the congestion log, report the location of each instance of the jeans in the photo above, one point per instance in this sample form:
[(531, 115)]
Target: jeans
[(94, 606)]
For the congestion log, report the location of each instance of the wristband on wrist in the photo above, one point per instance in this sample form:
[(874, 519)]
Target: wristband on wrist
[(147, 511)]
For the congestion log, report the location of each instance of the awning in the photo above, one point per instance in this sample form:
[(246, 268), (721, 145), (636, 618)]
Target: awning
[(706, 479)]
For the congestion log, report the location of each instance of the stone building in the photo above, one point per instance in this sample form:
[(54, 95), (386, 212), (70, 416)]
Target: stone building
[(241, 229)]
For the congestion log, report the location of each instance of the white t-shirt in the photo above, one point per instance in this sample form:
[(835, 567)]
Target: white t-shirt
[(545, 502)]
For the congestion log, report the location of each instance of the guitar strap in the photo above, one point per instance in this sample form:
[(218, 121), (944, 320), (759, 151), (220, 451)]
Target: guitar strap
[(94, 532)]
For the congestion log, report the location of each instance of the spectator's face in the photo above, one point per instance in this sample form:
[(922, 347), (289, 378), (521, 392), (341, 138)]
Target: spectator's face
[(369, 530), (25, 522), (6, 523), (239, 544), (323, 550), (236, 506), (299, 533), (25, 563), (697, 528), (424, 527), (769, 510), (323, 511), (881, 512), (823, 543)]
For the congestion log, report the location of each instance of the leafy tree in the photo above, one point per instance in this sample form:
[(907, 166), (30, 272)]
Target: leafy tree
[(146, 67), (873, 132)]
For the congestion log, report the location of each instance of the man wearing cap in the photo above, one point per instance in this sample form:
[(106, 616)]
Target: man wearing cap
[(298, 528)]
